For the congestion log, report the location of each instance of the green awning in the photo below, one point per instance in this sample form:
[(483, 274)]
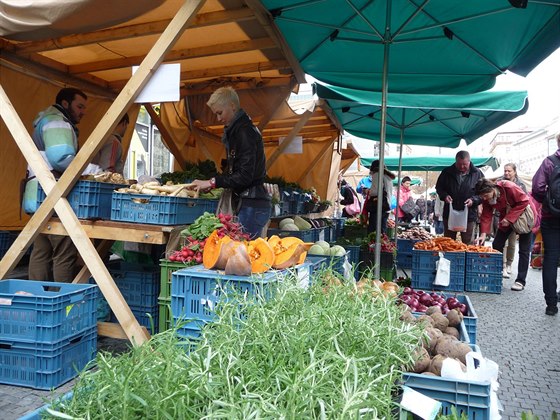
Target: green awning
[(436, 46), (429, 163), (428, 120)]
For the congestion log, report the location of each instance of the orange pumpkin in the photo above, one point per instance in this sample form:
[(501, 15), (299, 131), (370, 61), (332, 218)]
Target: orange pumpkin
[(261, 255), (287, 251), (213, 255)]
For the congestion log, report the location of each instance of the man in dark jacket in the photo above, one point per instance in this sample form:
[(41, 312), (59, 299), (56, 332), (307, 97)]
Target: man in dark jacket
[(246, 163), (455, 186)]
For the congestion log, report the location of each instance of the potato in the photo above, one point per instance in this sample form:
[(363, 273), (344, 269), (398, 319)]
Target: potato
[(455, 317), (459, 351), (445, 345), (427, 320), (428, 373), (433, 309), (422, 360), (452, 331), (433, 335), (407, 317), (435, 364), (440, 321)]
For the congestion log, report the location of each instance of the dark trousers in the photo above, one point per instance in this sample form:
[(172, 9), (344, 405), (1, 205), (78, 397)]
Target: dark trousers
[(54, 257), (524, 249), (550, 230), (466, 237), (254, 219), (372, 220)]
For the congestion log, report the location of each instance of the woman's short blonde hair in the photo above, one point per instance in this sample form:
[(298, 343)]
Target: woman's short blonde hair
[(223, 96)]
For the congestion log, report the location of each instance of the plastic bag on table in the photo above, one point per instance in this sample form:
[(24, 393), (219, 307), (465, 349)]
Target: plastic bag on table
[(443, 273)]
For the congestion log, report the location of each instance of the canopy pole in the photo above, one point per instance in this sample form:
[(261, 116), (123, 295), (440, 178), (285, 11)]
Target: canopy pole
[(381, 173), (399, 179)]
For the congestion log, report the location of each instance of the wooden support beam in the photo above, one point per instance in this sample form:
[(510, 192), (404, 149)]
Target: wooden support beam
[(141, 29), (189, 53), (289, 138), (278, 103), (222, 71), (56, 190), (110, 329), (265, 19), (169, 141), (84, 274), (319, 156)]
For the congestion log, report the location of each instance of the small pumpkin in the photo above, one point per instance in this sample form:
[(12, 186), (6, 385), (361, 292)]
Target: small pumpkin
[(238, 263), (261, 255), (288, 251), (213, 251)]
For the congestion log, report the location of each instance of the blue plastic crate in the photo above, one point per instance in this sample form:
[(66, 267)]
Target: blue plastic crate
[(140, 313), (424, 270), (37, 414), (327, 261), (304, 235), (139, 284), (484, 272), (404, 259), (47, 312), (317, 262), (471, 398), (6, 241), (319, 234), (88, 199), (46, 365), (353, 254), (406, 245), (159, 210), (195, 291)]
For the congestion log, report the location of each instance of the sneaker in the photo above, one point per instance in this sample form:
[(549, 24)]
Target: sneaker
[(551, 310), (508, 268), (505, 274), (517, 286)]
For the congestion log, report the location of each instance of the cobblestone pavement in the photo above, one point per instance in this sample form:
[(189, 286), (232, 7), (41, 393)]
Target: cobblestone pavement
[(512, 330)]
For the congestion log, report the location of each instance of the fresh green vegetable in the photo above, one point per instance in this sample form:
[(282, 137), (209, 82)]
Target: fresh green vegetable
[(203, 226), (331, 353)]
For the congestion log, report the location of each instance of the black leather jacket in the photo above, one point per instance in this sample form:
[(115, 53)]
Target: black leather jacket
[(246, 163), (448, 184)]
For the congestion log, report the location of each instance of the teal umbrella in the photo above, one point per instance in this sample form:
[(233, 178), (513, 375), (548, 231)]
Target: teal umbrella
[(429, 163), (429, 46), (428, 120)]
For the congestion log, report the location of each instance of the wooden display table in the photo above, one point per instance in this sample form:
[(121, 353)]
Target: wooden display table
[(109, 232)]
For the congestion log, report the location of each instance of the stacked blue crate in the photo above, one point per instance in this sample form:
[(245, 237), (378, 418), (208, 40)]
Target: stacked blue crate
[(48, 331)]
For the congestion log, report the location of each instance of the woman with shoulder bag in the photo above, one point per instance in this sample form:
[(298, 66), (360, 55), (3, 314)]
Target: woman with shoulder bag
[(371, 201), (517, 213)]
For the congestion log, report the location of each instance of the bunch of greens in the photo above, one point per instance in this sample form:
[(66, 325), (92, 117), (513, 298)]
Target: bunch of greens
[(202, 227), (319, 353), (202, 170)]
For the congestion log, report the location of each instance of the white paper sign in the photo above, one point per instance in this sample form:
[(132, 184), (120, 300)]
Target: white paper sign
[(163, 86), (420, 404), (295, 147)]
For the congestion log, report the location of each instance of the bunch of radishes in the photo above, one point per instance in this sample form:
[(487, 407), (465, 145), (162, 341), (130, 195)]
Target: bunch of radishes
[(231, 228), (420, 301), (190, 253)]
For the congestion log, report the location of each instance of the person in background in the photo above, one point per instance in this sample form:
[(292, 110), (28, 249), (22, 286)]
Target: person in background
[(423, 206), (510, 174), (246, 163), (110, 158), (55, 134), (455, 187), (550, 229), (373, 192), (349, 197), (497, 196), (404, 195), (364, 185), (438, 216), (430, 206)]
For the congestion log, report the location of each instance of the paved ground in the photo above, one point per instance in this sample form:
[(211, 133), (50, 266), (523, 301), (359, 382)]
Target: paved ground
[(512, 330)]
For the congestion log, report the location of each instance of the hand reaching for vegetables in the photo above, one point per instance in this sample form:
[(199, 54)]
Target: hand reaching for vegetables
[(481, 239), (200, 185), (505, 223)]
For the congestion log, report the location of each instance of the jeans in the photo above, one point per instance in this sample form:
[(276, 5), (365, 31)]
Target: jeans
[(550, 230), (372, 220), (524, 249), (438, 226), (253, 219), (54, 257)]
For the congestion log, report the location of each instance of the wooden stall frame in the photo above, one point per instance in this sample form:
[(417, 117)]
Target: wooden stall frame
[(57, 191)]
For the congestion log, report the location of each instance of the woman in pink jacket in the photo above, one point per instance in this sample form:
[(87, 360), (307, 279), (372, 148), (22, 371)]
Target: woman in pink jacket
[(404, 195), (497, 196)]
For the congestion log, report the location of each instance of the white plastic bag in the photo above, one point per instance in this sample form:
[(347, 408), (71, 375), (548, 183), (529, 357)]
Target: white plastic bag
[(457, 221), (443, 274)]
